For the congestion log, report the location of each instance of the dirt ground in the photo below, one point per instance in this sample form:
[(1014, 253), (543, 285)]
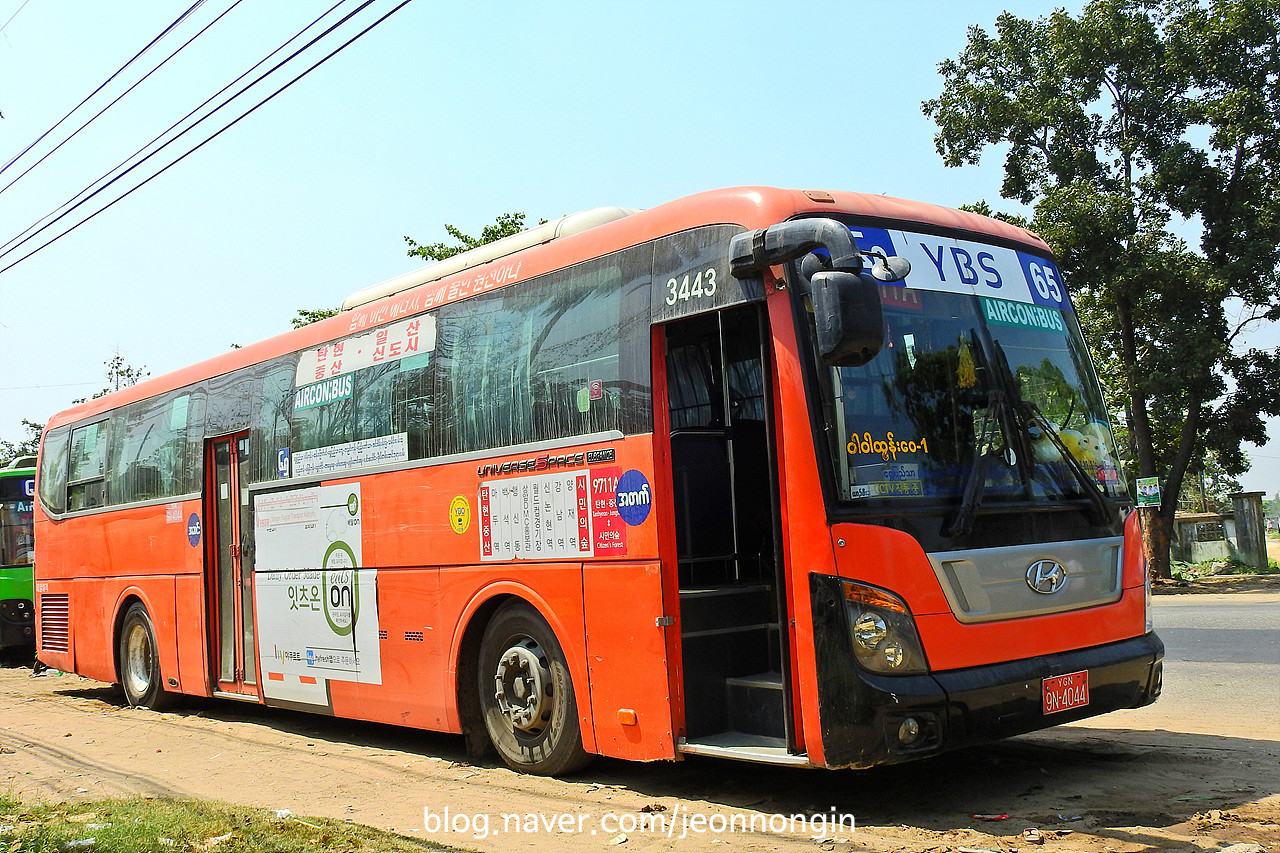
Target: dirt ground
[(1220, 584), (1122, 782)]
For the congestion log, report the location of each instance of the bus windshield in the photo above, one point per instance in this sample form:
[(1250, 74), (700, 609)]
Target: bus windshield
[(972, 398), (16, 535)]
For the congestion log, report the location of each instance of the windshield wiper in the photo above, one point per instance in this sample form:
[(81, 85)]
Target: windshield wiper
[(962, 521), (974, 485)]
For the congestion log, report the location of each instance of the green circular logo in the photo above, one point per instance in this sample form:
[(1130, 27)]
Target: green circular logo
[(341, 591), (353, 504)]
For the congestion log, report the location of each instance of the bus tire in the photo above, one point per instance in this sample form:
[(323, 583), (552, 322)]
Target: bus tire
[(139, 661), (526, 694)]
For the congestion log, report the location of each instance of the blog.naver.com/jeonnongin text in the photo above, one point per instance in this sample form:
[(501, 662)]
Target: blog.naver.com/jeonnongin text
[(677, 823)]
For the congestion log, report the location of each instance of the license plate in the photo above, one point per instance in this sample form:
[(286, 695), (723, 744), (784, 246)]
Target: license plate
[(1064, 692)]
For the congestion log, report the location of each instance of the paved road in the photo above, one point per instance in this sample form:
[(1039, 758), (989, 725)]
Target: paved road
[(1221, 671)]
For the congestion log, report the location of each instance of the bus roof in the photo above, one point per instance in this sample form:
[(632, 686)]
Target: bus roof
[(750, 207)]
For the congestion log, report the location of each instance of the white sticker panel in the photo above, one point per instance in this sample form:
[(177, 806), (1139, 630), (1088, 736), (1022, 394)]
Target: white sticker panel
[(963, 266), (385, 344), (551, 516), (317, 610), (324, 461)]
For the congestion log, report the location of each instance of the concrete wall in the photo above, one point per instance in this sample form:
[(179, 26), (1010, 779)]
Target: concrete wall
[(1244, 533)]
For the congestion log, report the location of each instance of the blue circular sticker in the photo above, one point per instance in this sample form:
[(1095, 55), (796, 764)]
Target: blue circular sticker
[(634, 497), (193, 530)]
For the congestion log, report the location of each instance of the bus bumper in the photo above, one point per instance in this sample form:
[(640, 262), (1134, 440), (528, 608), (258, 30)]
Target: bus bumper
[(863, 714), (17, 624)]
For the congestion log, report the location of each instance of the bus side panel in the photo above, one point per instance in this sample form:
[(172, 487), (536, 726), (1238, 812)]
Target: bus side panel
[(414, 689), (95, 604), (553, 589), (111, 555), (627, 660), (70, 550), (192, 637)]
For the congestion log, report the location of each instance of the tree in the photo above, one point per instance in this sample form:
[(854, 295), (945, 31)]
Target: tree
[(10, 450), (1126, 127), (1209, 487), (119, 375), (307, 316), (504, 226)]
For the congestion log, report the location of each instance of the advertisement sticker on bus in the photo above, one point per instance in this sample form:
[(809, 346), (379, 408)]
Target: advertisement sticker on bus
[(546, 516), (633, 497), (317, 605), (460, 514)]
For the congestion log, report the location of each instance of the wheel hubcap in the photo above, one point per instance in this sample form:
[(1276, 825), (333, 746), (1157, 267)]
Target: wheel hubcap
[(523, 686), (137, 664)]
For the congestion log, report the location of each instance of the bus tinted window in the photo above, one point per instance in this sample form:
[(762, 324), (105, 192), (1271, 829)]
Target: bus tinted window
[(88, 466), (156, 449), (270, 421), (555, 357), (53, 470), (17, 544)]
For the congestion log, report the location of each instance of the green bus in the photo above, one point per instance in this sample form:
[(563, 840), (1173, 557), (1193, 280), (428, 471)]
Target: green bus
[(17, 552)]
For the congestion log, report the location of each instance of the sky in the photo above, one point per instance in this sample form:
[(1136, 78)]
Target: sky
[(446, 112)]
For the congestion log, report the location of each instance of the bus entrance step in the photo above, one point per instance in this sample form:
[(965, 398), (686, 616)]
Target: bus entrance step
[(756, 704)]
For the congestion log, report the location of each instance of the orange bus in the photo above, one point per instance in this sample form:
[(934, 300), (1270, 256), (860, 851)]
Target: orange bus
[(797, 477)]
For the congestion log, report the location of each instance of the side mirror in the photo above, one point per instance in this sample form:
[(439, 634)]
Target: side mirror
[(890, 268), (848, 317)]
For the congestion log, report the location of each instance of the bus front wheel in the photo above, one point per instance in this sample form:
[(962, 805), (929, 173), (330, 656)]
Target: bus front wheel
[(140, 661), (526, 695)]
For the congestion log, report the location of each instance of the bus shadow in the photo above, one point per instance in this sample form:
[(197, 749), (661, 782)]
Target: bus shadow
[(1087, 780), (303, 725)]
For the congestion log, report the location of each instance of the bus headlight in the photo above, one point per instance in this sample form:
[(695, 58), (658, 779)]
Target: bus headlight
[(882, 631)]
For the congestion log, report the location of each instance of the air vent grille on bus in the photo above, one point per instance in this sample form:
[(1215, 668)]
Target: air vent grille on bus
[(55, 622)]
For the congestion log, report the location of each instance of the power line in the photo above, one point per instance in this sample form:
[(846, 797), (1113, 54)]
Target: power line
[(206, 141), (157, 137), (104, 83), (38, 387), (193, 126), (119, 97), (6, 24)]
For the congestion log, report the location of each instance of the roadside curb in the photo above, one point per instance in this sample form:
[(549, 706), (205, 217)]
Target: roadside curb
[(1219, 585)]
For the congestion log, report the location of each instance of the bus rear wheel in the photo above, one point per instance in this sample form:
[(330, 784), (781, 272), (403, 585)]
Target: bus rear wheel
[(526, 695), (139, 661)]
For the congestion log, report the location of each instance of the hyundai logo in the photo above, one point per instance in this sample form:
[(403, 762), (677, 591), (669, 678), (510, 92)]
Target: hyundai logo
[(1046, 576)]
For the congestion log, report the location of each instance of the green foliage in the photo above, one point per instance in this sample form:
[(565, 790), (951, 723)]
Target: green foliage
[(1195, 571), (10, 450), (1209, 489), (306, 317), (504, 226), (136, 825), (1125, 127), (119, 375)]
